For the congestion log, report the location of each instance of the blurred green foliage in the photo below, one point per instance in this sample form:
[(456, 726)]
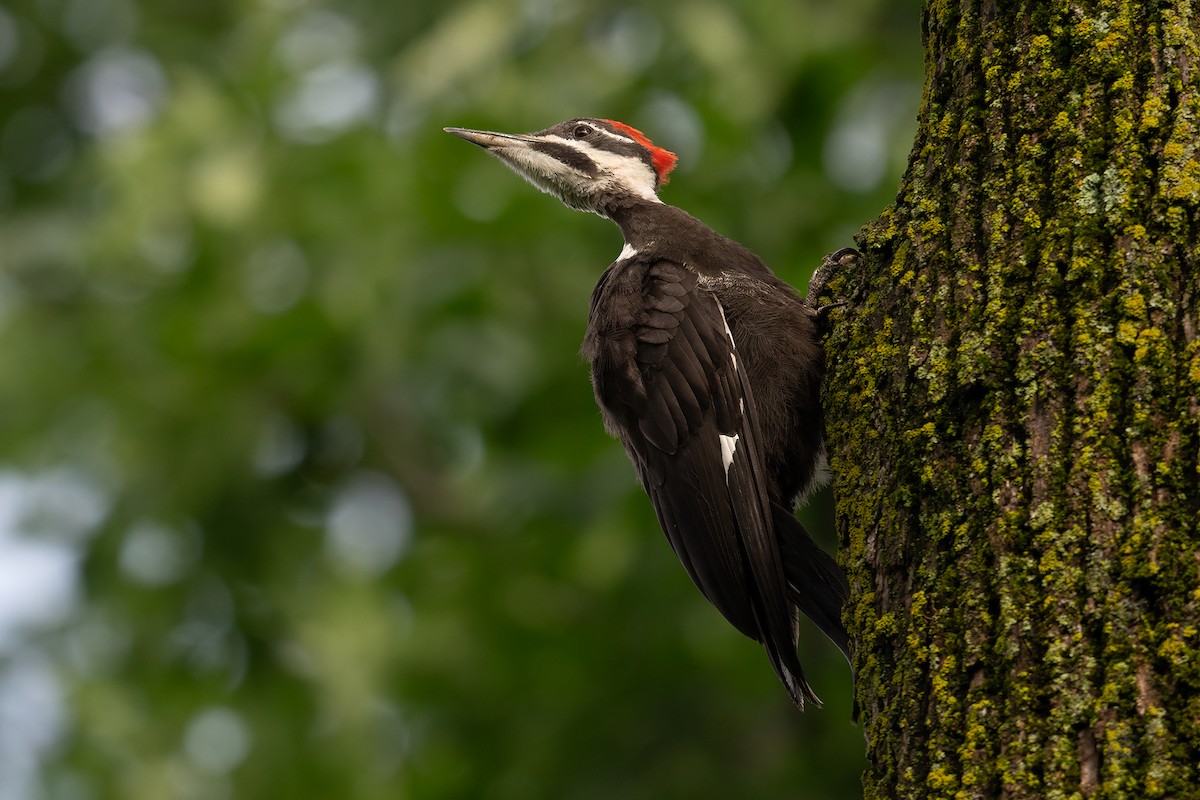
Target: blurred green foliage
[(302, 489)]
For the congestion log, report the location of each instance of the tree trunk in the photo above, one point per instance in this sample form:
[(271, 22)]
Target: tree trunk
[(1012, 401)]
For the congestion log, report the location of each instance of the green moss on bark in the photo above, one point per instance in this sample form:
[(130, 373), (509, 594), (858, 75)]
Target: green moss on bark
[(1013, 414)]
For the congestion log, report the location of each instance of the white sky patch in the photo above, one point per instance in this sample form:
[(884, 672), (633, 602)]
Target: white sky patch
[(866, 141), (328, 100), (153, 554), (34, 717), (627, 41), (675, 120), (45, 520), (217, 740), (318, 37), (368, 526), (116, 90), (38, 586)]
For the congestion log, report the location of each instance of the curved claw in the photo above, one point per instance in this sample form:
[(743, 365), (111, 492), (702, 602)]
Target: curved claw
[(842, 258)]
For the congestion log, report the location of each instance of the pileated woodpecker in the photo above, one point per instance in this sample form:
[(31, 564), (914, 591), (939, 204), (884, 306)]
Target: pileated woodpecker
[(708, 369)]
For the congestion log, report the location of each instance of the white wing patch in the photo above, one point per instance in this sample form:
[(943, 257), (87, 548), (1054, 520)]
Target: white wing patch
[(627, 252), (729, 333), (728, 447), (729, 443)]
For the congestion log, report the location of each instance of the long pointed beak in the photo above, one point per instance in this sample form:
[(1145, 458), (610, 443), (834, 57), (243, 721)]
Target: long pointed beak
[(545, 160), (488, 139)]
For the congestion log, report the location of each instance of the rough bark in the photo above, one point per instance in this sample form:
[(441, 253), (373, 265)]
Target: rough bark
[(1013, 411)]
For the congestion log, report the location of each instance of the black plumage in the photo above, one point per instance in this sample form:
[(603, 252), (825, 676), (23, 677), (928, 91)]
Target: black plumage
[(707, 368)]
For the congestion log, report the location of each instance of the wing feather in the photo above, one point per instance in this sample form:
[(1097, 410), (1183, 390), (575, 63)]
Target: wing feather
[(684, 392), (696, 447)]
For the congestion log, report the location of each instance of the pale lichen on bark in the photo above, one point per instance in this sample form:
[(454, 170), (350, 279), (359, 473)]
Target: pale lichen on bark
[(1013, 414)]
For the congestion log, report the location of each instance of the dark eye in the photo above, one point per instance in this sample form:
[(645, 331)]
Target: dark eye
[(582, 131)]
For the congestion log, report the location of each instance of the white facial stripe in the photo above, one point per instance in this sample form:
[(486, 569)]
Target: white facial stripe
[(537, 168), (554, 137), (627, 171), (532, 161), (614, 136), (630, 172)]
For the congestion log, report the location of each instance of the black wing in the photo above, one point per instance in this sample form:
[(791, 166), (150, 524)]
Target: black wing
[(667, 375)]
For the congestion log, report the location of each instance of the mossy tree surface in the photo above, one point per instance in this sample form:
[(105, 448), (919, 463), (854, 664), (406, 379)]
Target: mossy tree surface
[(1013, 414)]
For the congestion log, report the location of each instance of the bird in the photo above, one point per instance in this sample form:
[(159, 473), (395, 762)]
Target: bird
[(707, 368)]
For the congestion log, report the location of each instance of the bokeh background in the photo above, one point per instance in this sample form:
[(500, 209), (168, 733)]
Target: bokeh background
[(303, 493)]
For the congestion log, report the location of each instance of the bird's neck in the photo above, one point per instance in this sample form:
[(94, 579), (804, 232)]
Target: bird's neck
[(654, 228), (644, 222)]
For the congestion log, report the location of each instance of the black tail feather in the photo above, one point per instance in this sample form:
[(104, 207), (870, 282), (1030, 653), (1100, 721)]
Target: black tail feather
[(816, 583)]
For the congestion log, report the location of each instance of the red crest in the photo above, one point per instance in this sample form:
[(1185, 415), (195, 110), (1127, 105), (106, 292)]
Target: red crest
[(663, 160)]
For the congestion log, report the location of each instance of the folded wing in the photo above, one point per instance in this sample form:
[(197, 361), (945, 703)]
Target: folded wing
[(686, 414)]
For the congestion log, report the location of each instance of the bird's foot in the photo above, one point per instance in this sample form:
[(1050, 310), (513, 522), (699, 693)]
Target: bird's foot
[(845, 257), (822, 311)]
